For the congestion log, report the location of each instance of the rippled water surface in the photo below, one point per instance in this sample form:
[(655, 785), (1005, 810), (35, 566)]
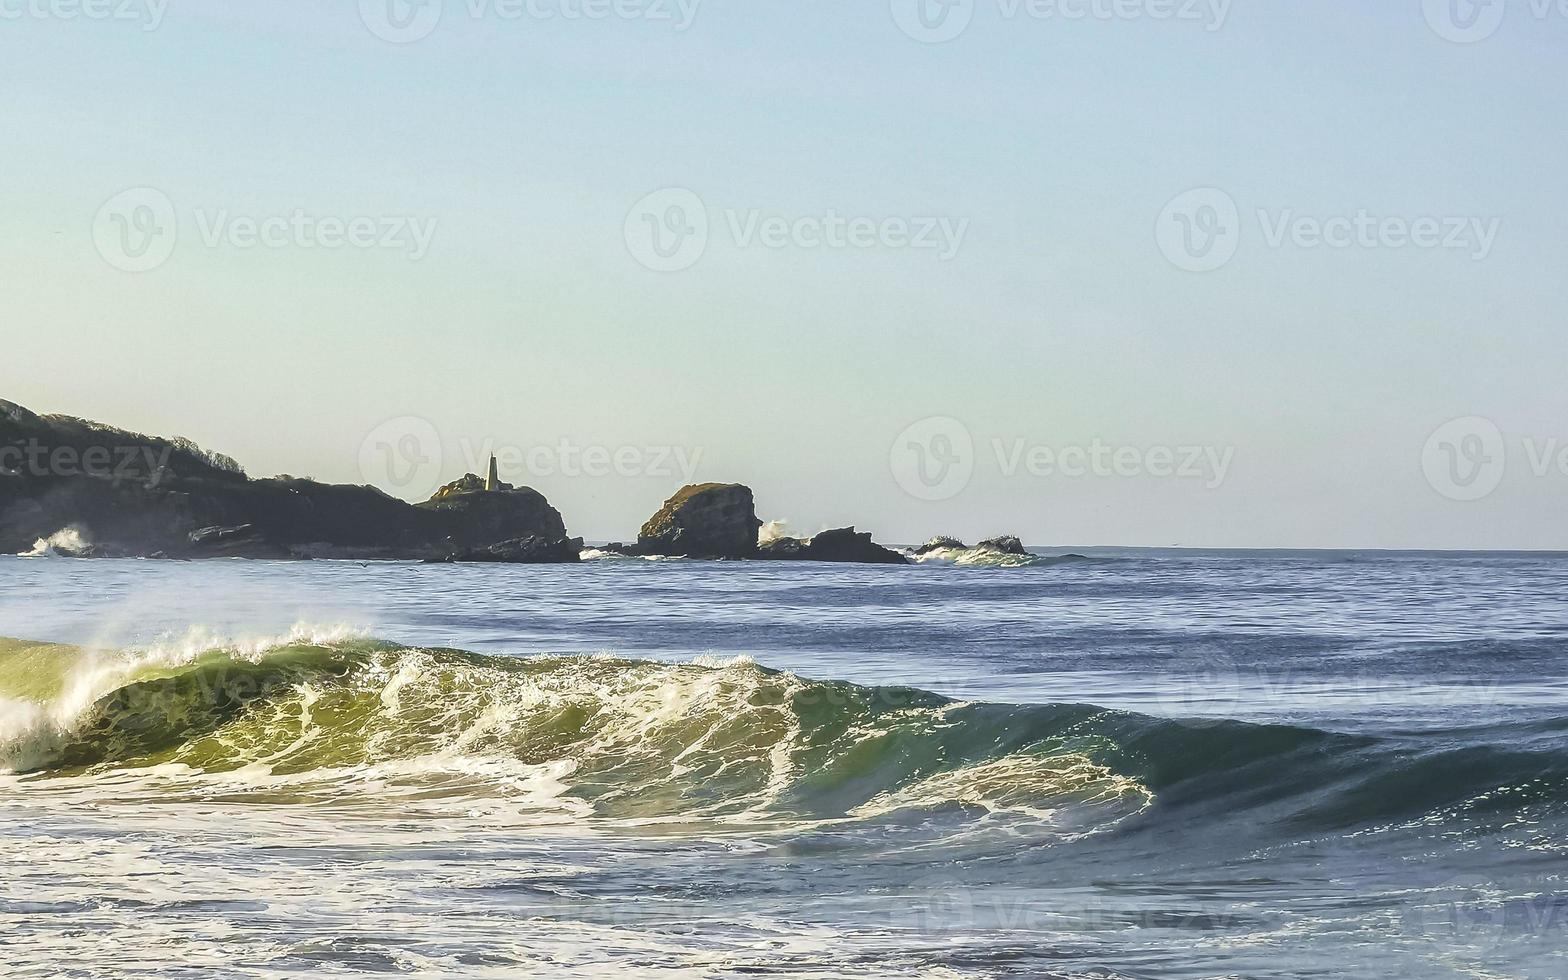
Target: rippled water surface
[(1142, 764)]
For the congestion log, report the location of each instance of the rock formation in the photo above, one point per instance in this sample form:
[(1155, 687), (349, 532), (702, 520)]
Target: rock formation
[(1006, 544), (123, 494), (710, 520), (136, 495), (941, 543), (479, 517), (840, 545)]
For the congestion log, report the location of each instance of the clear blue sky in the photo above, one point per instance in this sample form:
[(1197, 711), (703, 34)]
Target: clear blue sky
[(1060, 319)]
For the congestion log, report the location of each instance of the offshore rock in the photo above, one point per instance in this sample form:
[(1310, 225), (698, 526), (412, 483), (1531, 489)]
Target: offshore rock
[(1006, 544), (480, 517), (844, 545), (709, 520), (941, 543)]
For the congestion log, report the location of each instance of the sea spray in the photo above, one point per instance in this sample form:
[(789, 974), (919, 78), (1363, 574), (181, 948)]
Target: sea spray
[(64, 543)]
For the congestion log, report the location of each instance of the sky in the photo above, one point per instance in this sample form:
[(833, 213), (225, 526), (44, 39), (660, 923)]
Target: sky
[(1093, 272)]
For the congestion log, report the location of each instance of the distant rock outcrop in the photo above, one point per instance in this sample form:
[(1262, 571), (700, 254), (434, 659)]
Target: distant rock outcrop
[(840, 545), (478, 517), (848, 545), (710, 520), (1006, 544), (941, 543)]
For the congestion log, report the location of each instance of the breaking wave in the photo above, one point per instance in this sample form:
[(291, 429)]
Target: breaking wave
[(321, 715), (585, 736), (980, 556)]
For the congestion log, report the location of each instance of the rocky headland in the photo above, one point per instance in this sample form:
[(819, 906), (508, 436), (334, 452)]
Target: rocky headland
[(81, 489)]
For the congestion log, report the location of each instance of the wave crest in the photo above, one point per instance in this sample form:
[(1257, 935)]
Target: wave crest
[(625, 739)]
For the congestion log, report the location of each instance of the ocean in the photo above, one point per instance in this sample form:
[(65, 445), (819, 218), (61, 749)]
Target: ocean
[(1161, 764)]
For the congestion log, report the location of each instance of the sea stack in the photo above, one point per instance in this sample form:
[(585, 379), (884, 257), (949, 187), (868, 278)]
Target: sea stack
[(709, 520)]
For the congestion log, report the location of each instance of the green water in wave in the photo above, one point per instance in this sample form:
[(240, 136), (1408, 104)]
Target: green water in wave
[(616, 738)]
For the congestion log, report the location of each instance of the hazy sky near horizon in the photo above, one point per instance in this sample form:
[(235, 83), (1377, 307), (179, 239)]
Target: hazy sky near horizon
[(1253, 274)]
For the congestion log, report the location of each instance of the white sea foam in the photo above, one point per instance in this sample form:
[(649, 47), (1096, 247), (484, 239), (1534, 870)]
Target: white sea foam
[(773, 531), (64, 543), (975, 556)]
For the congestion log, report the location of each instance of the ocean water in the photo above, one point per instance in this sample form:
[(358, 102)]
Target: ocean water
[(1140, 764)]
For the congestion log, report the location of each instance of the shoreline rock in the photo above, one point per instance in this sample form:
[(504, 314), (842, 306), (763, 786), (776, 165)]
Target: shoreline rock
[(529, 550)]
